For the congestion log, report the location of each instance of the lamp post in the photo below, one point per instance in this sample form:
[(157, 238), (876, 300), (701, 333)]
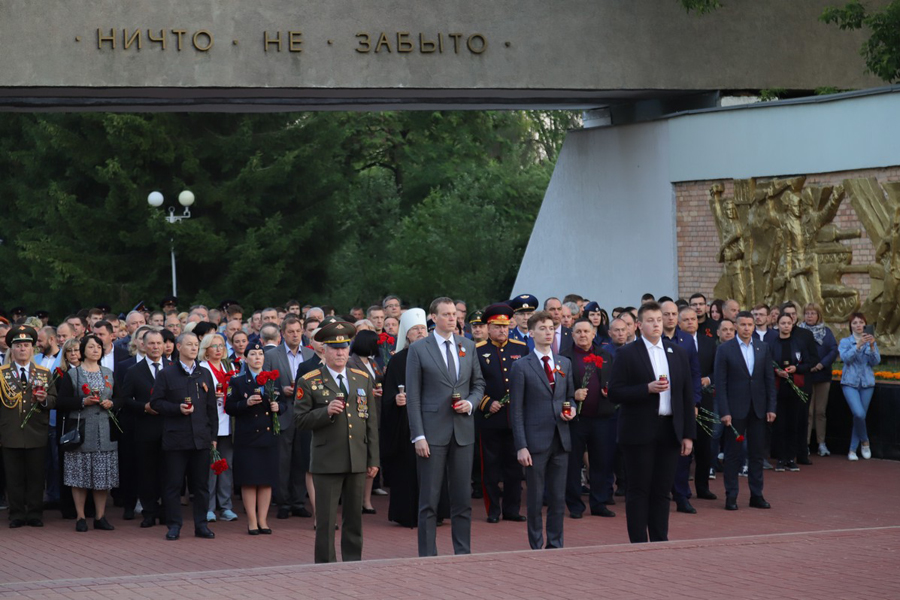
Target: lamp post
[(186, 199)]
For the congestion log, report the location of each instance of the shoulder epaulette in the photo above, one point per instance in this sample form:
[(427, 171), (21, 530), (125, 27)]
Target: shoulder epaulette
[(519, 342), (358, 372), (481, 343), (311, 374), (39, 368), (6, 367)]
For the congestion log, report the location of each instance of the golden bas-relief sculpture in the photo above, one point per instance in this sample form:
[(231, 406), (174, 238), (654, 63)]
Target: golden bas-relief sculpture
[(777, 242)]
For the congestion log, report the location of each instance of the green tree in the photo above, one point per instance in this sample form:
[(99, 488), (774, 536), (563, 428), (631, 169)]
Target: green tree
[(881, 50)]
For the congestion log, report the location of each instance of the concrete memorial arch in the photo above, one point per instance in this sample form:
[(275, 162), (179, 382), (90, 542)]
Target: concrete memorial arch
[(634, 63), (204, 55)]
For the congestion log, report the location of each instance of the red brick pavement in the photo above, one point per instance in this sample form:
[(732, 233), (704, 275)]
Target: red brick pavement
[(833, 532)]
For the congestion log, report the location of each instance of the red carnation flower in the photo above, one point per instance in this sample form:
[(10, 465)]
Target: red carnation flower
[(740, 438), (86, 389)]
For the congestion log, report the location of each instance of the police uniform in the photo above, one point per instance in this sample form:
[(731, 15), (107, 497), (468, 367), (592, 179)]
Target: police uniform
[(499, 461), (344, 445), (24, 448), (520, 304)]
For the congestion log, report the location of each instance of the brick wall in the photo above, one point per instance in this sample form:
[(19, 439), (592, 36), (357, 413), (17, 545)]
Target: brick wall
[(698, 239)]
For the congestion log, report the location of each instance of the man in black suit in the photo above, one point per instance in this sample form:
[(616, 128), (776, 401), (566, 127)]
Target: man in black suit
[(135, 390), (541, 382), (185, 395), (651, 380), (745, 400), (706, 354)]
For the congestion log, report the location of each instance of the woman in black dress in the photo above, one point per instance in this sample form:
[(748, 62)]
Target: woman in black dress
[(255, 443)]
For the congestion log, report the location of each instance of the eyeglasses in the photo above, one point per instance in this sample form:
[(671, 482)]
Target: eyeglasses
[(219, 346)]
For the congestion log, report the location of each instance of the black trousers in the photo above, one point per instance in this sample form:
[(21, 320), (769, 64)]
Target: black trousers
[(128, 463), (151, 476), (789, 429), (754, 429), (25, 482), (598, 436), (498, 463), (194, 464), (651, 473), (702, 460)]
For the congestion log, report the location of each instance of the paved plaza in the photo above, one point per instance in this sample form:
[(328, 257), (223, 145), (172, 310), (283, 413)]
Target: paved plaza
[(833, 532)]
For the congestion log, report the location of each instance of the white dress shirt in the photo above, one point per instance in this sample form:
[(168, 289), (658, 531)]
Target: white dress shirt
[(442, 346), (747, 351), (660, 364), (541, 359)]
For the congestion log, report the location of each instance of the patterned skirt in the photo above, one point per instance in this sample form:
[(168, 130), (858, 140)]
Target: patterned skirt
[(91, 470)]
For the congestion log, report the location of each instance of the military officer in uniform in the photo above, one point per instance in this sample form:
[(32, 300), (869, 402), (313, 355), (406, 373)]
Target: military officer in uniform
[(478, 327), (523, 307), (334, 402), (23, 390), (496, 357)]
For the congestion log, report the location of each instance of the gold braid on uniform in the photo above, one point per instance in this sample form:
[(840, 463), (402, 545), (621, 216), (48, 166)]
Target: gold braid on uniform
[(10, 400)]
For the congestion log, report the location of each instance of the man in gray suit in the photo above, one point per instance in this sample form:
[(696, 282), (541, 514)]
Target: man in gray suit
[(293, 443), (539, 384), (443, 384)]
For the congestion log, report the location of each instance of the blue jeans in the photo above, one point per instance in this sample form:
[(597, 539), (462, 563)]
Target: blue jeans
[(858, 399)]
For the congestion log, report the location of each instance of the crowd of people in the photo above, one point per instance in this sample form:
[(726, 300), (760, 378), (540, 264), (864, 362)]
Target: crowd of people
[(297, 408)]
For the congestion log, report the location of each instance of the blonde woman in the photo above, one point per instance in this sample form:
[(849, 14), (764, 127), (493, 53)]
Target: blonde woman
[(221, 487)]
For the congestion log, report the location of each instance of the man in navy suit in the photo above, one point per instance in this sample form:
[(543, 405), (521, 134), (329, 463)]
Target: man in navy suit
[(651, 380), (541, 381), (745, 400)]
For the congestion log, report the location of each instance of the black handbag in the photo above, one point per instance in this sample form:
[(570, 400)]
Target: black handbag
[(72, 439)]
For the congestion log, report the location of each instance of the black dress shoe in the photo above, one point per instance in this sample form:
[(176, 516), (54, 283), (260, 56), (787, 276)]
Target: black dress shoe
[(265, 531), (302, 512), (685, 507), (129, 514), (602, 512), (253, 531), (204, 532), (730, 503), (759, 502), (576, 515), (369, 511), (173, 533), (103, 524), (81, 525), (16, 523), (283, 513), (35, 523), (148, 522), (493, 519), (706, 495), (515, 518)]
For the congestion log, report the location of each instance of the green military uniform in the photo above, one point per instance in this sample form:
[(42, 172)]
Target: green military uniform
[(24, 448), (343, 446)]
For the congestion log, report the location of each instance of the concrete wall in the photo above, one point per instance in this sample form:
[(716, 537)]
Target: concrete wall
[(532, 45), (606, 229), (611, 183)]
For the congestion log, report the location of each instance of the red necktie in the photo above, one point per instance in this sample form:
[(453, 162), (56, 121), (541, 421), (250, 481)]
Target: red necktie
[(548, 371)]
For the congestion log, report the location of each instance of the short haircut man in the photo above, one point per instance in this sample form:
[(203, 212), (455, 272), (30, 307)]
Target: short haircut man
[(441, 424), (269, 334)]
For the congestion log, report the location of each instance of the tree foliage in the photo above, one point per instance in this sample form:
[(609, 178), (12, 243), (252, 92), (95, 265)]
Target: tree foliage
[(881, 50), (337, 207)]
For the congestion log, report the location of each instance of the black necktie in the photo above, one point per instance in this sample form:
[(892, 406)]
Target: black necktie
[(22, 377), (342, 386), (451, 366)]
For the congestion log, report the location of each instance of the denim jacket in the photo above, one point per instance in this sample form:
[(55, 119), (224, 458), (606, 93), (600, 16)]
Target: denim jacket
[(858, 364)]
